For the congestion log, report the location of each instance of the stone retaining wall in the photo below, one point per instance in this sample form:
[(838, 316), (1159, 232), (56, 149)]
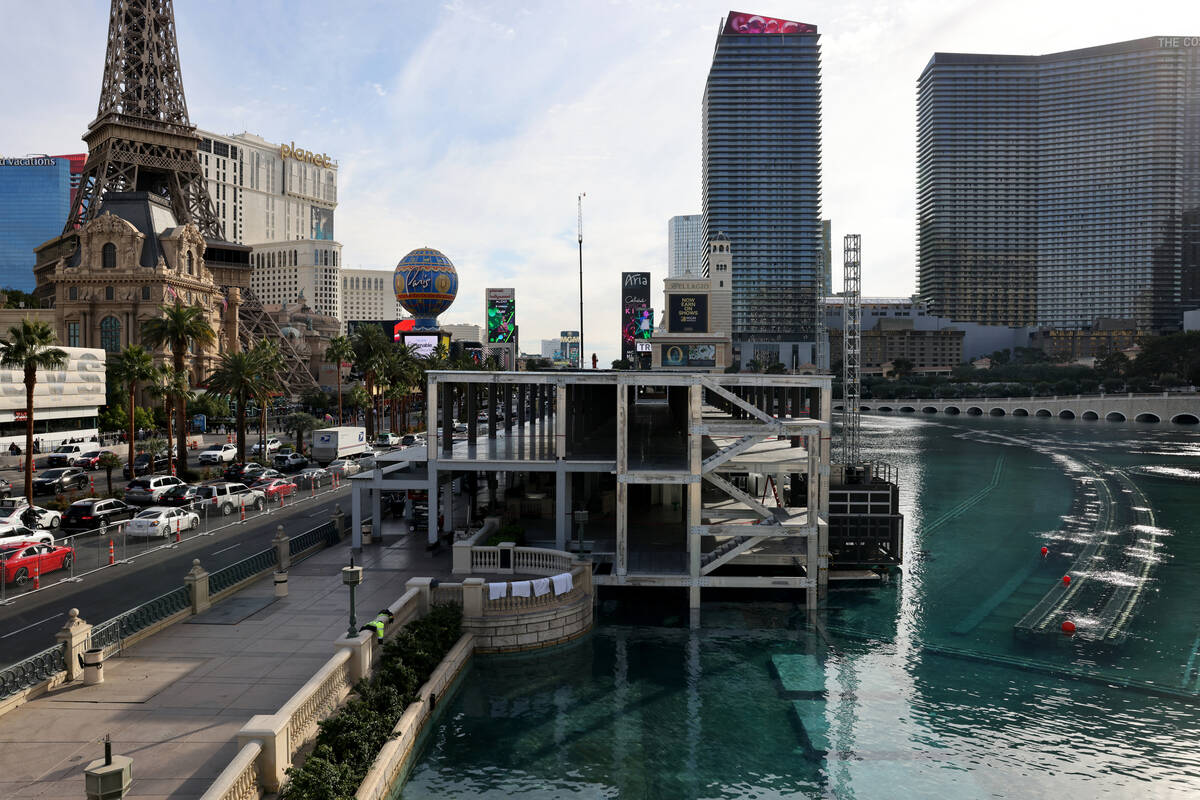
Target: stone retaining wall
[(531, 630)]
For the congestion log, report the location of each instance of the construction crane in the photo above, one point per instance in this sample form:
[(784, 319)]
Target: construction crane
[(851, 349), (579, 364)]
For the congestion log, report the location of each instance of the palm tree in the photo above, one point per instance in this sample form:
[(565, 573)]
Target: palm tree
[(30, 347), (238, 376), (171, 387), (108, 462), (133, 366), (269, 360), (339, 350), (358, 398), (370, 355), (179, 328)]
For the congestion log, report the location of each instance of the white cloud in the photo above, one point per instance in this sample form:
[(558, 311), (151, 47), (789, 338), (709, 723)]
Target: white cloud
[(471, 126)]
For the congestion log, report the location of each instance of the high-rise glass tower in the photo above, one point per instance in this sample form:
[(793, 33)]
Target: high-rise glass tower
[(1056, 190), (685, 245), (35, 195), (762, 177)]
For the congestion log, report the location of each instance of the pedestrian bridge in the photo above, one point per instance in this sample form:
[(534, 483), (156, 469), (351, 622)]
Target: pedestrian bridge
[(1176, 407)]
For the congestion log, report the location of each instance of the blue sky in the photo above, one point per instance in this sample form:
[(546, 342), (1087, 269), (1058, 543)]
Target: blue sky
[(472, 126)]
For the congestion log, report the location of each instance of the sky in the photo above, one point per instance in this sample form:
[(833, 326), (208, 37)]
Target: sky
[(473, 127)]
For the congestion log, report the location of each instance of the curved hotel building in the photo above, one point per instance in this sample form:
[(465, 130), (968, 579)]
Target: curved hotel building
[(1060, 189)]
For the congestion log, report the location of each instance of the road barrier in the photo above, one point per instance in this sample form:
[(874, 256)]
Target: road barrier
[(90, 555)]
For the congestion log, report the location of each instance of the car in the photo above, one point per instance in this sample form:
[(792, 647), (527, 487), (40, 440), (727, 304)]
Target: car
[(275, 488), (19, 534), (181, 495), (313, 476), (142, 491), (460, 427), (387, 440), (25, 560), (290, 462), (272, 444), (61, 479), (91, 459), (409, 440), (144, 465), (237, 471), (95, 514), (17, 511), (218, 454), (227, 497), (162, 521), (343, 467), (5, 487), (65, 455)]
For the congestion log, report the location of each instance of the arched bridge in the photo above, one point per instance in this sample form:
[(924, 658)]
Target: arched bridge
[(1176, 407)]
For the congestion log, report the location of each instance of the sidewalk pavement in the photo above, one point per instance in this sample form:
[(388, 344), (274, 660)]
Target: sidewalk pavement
[(174, 702)]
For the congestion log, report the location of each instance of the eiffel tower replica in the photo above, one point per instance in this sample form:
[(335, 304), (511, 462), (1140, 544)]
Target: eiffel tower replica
[(143, 141)]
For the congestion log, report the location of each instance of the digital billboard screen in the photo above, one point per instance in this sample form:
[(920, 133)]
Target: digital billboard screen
[(322, 223), (687, 313), (421, 344), (501, 316), (741, 22), (689, 355), (635, 310)]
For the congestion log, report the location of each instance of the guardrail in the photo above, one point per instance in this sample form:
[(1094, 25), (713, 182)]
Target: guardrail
[(114, 544), (122, 630), (529, 560), (239, 780)]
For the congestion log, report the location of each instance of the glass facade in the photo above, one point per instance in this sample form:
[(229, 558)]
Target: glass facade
[(685, 250), (761, 182), (35, 197), (1057, 190)]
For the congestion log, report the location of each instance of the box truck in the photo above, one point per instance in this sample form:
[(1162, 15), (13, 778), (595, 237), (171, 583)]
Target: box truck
[(329, 444)]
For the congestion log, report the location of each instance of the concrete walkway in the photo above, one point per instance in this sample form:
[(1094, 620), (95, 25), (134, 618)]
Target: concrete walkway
[(174, 702)]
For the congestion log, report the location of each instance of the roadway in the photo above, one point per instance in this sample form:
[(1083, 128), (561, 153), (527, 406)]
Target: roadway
[(145, 570)]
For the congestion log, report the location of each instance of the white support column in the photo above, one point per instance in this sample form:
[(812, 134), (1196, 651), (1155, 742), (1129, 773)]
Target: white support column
[(448, 504), (431, 413), (432, 504), (695, 459), (376, 508), (622, 509), (560, 421), (823, 499), (562, 510)]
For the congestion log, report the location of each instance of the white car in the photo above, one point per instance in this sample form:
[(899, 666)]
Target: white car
[(387, 440), (19, 533), (15, 511), (162, 521), (218, 454), (273, 444), (343, 467)]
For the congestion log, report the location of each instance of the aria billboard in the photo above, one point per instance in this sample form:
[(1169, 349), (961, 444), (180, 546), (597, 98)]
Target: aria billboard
[(743, 23), (687, 313), (637, 318), (501, 315)]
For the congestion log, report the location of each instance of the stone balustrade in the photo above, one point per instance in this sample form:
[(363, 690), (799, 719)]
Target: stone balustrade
[(239, 780)]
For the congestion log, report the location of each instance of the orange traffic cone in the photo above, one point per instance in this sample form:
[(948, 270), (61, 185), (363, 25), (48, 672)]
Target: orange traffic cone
[(242, 506), (177, 536), (32, 465), (111, 559), (37, 575)]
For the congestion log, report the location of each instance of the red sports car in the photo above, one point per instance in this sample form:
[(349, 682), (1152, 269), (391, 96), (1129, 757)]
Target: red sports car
[(275, 488), (22, 561)]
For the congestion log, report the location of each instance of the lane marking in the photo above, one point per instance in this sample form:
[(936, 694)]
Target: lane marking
[(27, 627), (223, 549)]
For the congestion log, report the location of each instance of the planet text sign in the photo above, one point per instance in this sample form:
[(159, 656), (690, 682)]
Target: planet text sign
[(687, 313)]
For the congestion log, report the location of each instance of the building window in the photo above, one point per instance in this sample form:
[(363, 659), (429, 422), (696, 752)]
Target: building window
[(110, 334), (73, 293), (145, 292), (108, 255), (190, 262), (108, 293), (72, 334)]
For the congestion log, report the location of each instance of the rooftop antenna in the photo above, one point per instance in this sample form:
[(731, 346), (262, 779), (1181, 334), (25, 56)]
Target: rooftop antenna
[(579, 360)]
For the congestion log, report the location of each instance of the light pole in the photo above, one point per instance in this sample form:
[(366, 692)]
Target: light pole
[(352, 576), (579, 362)]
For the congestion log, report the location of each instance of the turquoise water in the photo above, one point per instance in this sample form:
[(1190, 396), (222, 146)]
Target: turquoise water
[(912, 690)]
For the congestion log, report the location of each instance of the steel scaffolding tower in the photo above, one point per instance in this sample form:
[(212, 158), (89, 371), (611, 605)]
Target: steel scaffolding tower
[(851, 349)]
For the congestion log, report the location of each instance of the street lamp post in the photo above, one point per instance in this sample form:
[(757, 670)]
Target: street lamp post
[(352, 576)]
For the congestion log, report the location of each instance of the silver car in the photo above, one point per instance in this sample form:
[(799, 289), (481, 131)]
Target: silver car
[(162, 521)]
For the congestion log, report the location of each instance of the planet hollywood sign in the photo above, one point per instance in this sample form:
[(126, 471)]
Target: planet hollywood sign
[(291, 151)]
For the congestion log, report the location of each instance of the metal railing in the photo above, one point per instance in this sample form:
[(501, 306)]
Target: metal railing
[(112, 634), (237, 572), (36, 669)]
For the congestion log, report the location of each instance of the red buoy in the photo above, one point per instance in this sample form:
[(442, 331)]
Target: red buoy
[(1045, 552), (1066, 580), (1068, 627)]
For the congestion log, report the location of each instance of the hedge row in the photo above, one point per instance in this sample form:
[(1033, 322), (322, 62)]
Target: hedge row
[(349, 740)]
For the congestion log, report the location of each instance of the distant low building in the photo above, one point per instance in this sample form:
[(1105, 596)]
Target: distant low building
[(1105, 336)]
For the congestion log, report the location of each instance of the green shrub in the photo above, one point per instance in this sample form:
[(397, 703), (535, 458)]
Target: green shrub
[(348, 741), (509, 533)]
